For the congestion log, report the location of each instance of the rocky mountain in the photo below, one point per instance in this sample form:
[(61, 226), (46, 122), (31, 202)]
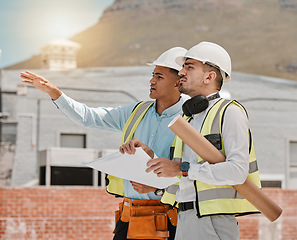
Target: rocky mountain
[(260, 35)]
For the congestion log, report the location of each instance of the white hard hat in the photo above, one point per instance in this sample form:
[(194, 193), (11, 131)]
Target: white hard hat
[(167, 59), (212, 54)]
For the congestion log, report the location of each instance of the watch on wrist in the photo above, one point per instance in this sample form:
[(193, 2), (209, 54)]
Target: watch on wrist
[(184, 167), (159, 192)]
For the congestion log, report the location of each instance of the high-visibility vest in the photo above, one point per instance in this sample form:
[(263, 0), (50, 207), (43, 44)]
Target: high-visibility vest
[(217, 199), (115, 185)]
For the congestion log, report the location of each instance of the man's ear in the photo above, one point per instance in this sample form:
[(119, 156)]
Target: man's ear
[(177, 83), (211, 76)]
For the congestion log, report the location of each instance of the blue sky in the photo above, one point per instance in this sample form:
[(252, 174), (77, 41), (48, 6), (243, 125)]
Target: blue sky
[(27, 25)]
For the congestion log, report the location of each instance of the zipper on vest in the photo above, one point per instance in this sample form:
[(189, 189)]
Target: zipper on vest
[(197, 203)]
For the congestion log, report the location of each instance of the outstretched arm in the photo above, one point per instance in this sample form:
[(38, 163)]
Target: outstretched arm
[(42, 84), (100, 117)]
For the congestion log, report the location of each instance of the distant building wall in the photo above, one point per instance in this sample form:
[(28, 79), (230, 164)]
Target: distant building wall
[(88, 213), (6, 162)]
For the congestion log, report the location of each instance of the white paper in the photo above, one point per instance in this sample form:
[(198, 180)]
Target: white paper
[(131, 167)]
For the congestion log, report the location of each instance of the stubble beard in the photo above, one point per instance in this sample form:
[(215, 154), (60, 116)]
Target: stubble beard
[(181, 89)]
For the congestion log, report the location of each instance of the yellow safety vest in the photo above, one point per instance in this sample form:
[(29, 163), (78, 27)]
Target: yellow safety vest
[(115, 185), (217, 199)]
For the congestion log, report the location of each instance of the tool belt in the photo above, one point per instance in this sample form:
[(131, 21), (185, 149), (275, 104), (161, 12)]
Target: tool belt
[(147, 218)]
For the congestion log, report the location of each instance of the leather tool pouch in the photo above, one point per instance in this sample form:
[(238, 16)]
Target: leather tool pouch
[(118, 214), (172, 215), (141, 227), (148, 222), (145, 222)]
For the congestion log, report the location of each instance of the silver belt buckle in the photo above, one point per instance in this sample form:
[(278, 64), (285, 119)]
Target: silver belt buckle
[(127, 204)]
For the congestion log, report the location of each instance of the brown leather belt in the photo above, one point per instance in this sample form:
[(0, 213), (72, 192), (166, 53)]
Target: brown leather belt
[(134, 202)]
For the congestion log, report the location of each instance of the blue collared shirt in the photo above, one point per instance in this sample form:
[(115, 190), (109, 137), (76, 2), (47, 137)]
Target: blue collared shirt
[(153, 130)]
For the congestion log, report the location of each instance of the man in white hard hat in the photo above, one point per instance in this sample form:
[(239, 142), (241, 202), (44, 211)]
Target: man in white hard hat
[(152, 130), (208, 204)]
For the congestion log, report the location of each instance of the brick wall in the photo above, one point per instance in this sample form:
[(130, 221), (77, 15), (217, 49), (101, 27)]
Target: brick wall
[(88, 213), (56, 213)]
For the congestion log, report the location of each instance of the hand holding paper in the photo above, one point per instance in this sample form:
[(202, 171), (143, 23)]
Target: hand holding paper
[(142, 188), (131, 167), (164, 167), (130, 147)]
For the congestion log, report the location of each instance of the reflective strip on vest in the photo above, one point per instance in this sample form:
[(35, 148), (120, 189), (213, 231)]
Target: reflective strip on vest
[(116, 185), (172, 189), (177, 159), (220, 193), (169, 196), (134, 120), (253, 167)]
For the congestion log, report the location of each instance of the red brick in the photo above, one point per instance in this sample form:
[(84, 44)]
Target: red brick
[(88, 213)]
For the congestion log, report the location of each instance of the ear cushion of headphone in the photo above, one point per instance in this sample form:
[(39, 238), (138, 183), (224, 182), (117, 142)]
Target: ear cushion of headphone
[(195, 105), (185, 109)]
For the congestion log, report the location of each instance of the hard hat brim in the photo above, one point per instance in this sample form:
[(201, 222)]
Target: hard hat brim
[(164, 65), (181, 61)]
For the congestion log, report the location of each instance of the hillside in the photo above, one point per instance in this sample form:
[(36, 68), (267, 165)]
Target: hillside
[(260, 35)]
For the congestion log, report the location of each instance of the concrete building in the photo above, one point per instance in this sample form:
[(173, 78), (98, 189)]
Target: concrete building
[(34, 126), (34, 134)]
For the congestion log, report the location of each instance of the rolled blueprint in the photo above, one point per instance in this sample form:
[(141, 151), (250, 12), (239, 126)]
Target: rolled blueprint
[(196, 141), (200, 145)]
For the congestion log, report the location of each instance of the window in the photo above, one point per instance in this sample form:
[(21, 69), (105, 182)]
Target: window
[(73, 140), (62, 166), (293, 154), (271, 183), (272, 180), (60, 175), (292, 165), (67, 176), (63, 169)]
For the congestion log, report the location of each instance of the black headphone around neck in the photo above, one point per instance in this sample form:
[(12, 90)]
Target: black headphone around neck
[(197, 104)]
